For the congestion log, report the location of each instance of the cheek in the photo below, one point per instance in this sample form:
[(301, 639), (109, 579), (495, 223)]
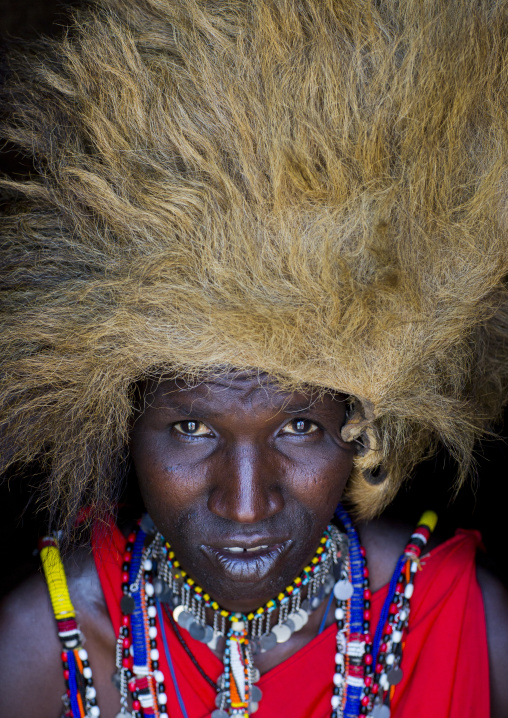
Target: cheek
[(167, 489), (320, 483)]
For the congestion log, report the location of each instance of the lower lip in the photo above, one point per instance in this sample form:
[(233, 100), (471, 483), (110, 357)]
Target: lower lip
[(247, 566)]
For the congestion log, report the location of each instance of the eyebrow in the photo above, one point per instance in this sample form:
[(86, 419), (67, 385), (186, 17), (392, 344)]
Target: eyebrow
[(194, 412)]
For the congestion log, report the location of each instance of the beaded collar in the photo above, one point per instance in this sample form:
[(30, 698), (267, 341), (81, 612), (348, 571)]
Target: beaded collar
[(367, 668)]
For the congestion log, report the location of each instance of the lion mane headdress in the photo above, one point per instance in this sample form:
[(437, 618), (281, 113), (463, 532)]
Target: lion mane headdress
[(315, 189)]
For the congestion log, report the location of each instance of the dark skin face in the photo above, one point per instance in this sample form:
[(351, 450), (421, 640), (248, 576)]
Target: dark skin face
[(241, 479)]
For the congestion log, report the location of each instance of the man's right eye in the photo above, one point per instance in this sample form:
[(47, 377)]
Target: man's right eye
[(192, 427)]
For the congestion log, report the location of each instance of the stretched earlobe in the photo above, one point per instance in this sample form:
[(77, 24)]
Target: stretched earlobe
[(375, 476)]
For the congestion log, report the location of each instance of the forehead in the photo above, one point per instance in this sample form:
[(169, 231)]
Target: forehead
[(235, 388)]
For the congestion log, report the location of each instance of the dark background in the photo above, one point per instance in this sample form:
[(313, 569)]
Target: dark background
[(481, 504)]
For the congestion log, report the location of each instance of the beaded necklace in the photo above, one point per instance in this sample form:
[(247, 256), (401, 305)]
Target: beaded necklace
[(367, 669)]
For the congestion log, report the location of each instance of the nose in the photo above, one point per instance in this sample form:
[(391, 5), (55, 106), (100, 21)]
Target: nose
[(245, 487)]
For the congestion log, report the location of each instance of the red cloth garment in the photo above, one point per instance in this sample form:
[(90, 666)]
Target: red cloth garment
[(445, 660)]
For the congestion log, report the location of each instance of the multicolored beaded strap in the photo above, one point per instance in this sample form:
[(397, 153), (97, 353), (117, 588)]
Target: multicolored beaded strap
[(80, 697), (370, 669)]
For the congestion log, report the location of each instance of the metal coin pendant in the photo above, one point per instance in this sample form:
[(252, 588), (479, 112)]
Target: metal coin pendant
[(219, 714), (253, 707), (177, 611), (122, 715), (380, 711), (196, 630), (296, 620), (329, 584), (256, 694), (215, 643), (282, 633), (127, 604), (147, 525), (303, 615), (394, 676), (306, 606), (268, 641), (315, 602), (343, 590), (290, 624), (220, 698), (208, 634), (116, 679)]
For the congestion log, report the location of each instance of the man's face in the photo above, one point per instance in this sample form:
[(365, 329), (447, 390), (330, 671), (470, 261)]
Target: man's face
[(241, 479)]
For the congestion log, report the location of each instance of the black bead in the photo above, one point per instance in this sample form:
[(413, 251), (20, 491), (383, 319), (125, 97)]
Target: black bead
[(151, 621), (368, 670), (366, 604), (128, 673), (155, 665), (368, 648), (336, 690), (125, 653), (340, 625), (150, 601), (160, 688), (381, 658), (363, 710), (128, 547), (366, 626), (126, 566), (153, 644), (93, 701), (89, 682), (65, 665), (86, 663), (135, 695)]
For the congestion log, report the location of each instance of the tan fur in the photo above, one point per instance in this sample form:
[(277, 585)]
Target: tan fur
[(312, 188)]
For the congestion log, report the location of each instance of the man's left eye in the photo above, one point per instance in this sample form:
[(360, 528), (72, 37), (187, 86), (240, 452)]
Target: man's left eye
[(300, 427), (191, 428)]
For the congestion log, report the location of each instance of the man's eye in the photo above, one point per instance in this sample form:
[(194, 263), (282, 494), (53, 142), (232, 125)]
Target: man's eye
[(192, 428), (300, 427)]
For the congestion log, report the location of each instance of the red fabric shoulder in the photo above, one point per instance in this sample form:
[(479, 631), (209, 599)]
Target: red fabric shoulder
[(445, 660)]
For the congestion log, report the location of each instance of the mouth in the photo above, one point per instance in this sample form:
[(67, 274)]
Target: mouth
[(247, 561)]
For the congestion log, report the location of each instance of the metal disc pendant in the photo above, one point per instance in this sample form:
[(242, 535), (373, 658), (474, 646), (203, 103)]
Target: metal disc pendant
[(329, 584), (256, 694), (127, 604), (315, 602), (254, 646), (268, 641), (122, 715), (215, 643), (208, 634), (282, 633), (196, 630), (147, 525), (343, 590), (296, 620), (253, 707), (116, 679), (290, 624), (182, 616), (394, 676), (219, 714), (380, 711), (220, 698), (306, 606), (303, 615)]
